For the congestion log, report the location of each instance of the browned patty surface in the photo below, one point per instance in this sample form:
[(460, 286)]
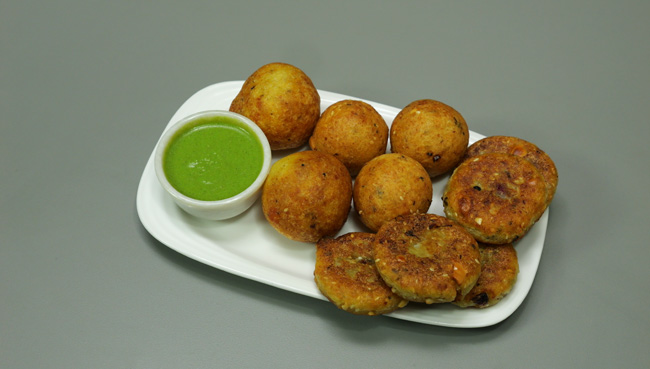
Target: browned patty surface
[(499, 269), (345, 273), (496, 197), (427, 258), (519, 147)]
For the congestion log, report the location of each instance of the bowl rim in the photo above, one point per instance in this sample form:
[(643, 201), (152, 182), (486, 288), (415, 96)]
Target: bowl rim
[(169, 134)]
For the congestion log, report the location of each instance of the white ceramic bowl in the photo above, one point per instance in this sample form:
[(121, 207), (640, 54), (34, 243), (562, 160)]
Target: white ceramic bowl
[(220, 209)]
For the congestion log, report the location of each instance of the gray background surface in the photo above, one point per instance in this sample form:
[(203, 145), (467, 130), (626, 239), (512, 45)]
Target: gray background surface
[(87, 87)]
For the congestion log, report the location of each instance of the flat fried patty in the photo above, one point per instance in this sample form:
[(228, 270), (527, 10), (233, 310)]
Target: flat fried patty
[(345, 273), (427, 258), (519, 147), (499, 269), (496, 197)]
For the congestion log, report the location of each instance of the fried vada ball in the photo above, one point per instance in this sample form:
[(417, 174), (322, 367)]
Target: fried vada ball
[(345, 273), (499, 269), (497, 197), (391, 185), (282, 101), (427, 258), (431, 132), (352, 131), (307, 195)]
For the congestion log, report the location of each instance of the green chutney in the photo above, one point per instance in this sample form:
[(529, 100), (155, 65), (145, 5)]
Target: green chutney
[(213, 158)]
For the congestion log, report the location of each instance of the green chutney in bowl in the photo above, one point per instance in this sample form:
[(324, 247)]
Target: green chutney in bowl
[(212, 161)]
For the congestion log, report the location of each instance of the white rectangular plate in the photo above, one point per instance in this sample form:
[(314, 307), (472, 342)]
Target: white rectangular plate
[(249, 247)]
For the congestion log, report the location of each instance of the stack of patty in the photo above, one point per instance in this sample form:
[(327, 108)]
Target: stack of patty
[(500, 189), (418, 257)]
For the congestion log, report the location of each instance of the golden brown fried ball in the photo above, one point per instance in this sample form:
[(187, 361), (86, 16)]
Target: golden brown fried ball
[(432, 133), (391, 185), (499, 269), (345, 273), (282, 101), (523, 148), (427, 258), (307, 195), (352, 131), (496, 197)]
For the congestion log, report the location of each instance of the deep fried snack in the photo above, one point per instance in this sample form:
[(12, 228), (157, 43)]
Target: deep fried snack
[(352, 131), (499, 269), (496, 197), (427, 258), (523, 148), (282, 101), (307, 195), (345, 273), (432, 133), (391, 185)]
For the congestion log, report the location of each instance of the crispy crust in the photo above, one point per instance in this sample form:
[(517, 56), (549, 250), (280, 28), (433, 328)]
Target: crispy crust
[(520, 147), (391, 185), (427, 258), (431, 132), (345, 273), (352, 131), (307, 195), (282, 101), (499, 269), (496, 197)]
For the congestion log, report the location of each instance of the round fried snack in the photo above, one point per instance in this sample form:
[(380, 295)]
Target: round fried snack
[(282, 101), (391, 185), (307, 195), (352, 131), (496, 197), (523, 148), (345, 273), (432, 133), (499, 269), (427, 258)]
